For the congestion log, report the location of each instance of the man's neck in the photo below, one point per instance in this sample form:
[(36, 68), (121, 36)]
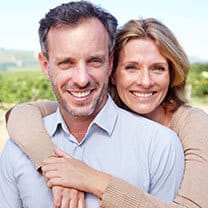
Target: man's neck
[(78, 126)]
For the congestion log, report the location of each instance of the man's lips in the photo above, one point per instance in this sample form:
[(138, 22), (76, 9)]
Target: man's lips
[(78, 94)]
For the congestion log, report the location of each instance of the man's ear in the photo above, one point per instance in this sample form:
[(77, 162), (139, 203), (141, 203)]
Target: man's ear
[(44, 64), (112, 71), (113, 79), (111, 64)]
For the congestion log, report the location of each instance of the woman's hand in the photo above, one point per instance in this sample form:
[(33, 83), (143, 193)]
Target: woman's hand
[(66, 171), (67, 198), (64, 197)]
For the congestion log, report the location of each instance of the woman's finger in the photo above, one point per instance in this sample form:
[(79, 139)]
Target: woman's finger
[(60, 153)]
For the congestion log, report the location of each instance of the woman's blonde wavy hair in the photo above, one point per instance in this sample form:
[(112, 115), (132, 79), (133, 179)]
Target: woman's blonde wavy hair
[(169, 48)]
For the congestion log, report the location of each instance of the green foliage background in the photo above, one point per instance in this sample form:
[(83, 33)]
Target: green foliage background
[(198, 78), (23, 86)]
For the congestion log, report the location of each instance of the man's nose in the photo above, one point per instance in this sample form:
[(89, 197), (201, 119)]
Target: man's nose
[(81, 75)]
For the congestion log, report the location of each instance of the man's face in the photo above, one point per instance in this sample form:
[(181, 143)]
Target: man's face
[(79, 67)]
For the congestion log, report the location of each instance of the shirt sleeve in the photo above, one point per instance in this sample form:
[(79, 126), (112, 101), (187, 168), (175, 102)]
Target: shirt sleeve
[(9, 195), (33, 138)]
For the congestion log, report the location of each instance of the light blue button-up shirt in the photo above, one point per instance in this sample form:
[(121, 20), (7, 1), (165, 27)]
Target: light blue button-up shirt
[(117, 142)]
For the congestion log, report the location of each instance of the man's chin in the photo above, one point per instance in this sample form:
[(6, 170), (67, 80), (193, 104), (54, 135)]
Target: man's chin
[(81, 112)]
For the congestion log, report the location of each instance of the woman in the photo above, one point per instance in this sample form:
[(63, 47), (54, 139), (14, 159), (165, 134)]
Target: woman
[(150, 70)]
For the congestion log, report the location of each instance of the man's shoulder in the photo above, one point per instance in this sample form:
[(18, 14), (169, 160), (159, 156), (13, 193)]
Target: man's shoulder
[(12, 153), (11, 147), (132, 117), (152, 131)]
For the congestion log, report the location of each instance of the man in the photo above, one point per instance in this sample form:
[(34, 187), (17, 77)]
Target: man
[(76, 40)]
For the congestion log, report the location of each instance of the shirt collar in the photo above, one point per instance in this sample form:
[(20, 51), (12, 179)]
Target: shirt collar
[(54, 121), (105, 119)]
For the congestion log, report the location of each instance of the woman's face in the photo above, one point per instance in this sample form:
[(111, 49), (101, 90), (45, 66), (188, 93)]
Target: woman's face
[(142, 76)]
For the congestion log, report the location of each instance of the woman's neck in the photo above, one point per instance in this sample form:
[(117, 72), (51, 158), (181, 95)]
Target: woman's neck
[(160, 115)]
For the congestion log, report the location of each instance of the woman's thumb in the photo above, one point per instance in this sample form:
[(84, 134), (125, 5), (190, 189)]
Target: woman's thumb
[(60, 153)]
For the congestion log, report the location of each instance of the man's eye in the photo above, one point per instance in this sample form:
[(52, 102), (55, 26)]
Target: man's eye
[(65, 64), (95, 62)]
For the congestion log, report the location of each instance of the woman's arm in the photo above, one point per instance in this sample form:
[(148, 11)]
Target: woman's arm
[(191, 125), (121, 194), (25, 127), (66, 171)]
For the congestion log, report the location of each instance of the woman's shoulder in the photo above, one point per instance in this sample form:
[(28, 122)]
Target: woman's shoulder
[(188, 121), (186, 113)]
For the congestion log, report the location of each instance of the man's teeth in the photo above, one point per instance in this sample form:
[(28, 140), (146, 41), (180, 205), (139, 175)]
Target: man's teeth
[(80, 94), (143, 95)]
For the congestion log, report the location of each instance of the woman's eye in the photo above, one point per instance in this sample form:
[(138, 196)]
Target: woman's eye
[(130, 67), (159, 68)]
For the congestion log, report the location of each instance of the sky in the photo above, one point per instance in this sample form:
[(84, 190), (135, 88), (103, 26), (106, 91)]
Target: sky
[(188, 20)]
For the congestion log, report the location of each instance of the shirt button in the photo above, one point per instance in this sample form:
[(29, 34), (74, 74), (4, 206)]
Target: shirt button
[(78, 152)]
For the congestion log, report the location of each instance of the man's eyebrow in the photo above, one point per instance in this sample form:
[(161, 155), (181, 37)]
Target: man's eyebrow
[(59, 59), (102, 56)]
